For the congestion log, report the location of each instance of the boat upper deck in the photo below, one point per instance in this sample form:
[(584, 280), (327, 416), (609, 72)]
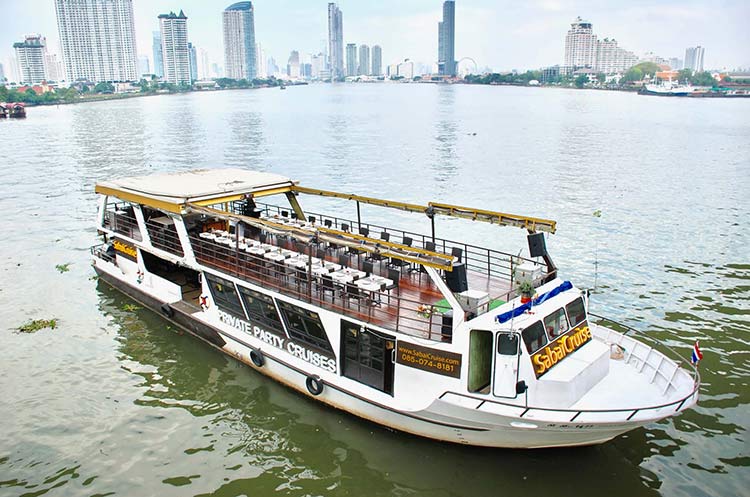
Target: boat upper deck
[(399, 280)]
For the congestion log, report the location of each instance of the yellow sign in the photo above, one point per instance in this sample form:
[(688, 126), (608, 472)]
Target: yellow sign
[(556, 351), (427, 359), (125, 249)]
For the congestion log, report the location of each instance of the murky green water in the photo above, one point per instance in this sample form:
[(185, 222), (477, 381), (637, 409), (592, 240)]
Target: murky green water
[(115, 402)]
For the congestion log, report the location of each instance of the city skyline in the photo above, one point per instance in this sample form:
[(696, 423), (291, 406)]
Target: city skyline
[(536, 31)]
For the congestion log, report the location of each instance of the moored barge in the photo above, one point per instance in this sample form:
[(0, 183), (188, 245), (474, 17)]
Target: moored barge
[(418, 333)]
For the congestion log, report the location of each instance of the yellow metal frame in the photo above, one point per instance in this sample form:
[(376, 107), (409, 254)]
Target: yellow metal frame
[(437, 260), (532, 224)]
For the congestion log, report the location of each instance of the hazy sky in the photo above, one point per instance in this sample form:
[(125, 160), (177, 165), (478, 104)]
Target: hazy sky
[(503, 35)]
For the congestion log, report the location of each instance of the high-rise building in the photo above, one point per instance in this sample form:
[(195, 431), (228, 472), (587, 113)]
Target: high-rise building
[(364, 60), (143, 66), (193, 59), (273, 67), (377, 60), (580, 44), (335, 41), (238, 22), (351, 59), (204, 70), (2, 73), (31, 55), (97, 39), (675, 63), (293, 66), (611, 59), (447, 40), (158, 54), (694, 58), (261, 65), (174, 47), (406, 69)]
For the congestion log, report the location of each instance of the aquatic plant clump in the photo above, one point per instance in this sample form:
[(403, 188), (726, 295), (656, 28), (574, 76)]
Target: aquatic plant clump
[(37, 324)]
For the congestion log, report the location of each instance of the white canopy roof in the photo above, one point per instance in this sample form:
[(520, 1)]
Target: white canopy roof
[(197, 186)]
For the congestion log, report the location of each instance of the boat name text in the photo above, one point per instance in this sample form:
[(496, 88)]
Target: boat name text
[(556, 351), (297, 350), (125, 249)]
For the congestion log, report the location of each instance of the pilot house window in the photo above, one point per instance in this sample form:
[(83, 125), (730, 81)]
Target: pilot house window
[(556, 324), (534, 337), (576, 312)]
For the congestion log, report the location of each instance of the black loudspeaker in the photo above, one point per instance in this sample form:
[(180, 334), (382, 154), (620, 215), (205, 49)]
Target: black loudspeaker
[(537, 246), (456, 279)]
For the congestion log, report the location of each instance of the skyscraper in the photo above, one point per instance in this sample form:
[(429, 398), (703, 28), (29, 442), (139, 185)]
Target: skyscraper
[(239, 41), (158, 55), (204, 70), (193, 59), (143, 65), (377, 60), (447, 40), (580, 44), (31, 55), (364, 60), (174, 47), (293, 66), (97, 39), (2, 74), (335, 41), (694, 58), (351, 59)]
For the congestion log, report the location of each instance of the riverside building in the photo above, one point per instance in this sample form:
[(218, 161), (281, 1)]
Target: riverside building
[(447, 40), (364, 60), (335, 41), (31, 55), (175, 47), (97, 38), (238, 21), (351, 59), (377, 60)]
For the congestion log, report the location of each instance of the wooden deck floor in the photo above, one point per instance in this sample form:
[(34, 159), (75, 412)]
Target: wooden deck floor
[(410, 309)]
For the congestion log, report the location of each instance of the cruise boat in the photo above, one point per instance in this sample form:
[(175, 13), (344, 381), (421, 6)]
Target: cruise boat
[(669, 89), (415, 332)]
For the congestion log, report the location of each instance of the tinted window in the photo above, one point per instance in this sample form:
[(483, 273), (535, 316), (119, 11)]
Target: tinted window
[(224, 294), (534, 337), (305, 326), (260, 309), (507, 344), (576, 312), (556, 324)]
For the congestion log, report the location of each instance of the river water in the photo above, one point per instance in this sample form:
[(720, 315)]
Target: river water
[(115, 402)]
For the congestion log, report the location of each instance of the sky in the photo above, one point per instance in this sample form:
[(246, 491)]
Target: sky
[(502, 35)]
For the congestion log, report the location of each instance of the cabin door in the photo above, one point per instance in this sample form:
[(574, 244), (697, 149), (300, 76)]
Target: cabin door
[(506, 365), (368, 356)]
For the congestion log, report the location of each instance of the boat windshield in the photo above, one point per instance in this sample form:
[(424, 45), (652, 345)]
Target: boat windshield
[(534, 337), (576, 312), (556, 324)]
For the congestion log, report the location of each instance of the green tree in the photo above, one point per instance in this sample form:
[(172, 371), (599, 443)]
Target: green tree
[(703, 79), (601, 77), (581, 80), (684, 75), (3, 94), (104, 87), (632, 74)]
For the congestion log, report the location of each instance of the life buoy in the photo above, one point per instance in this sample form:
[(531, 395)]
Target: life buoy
[(314, 384), (204, 302), (257, 357), (167, 310)]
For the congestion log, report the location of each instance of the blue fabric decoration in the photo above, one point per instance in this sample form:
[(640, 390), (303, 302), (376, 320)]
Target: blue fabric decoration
[(517, 311)]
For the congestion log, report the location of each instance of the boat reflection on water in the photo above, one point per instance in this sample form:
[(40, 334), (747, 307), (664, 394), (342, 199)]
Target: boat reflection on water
[(278, 435)]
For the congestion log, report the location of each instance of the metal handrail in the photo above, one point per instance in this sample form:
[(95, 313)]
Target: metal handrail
[(692, 371)]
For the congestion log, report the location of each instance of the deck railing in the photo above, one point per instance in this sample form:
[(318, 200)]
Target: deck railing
[(120, 218), (387, 309)]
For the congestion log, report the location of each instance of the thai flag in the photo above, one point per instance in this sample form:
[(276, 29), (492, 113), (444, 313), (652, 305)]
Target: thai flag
[(697, 354)]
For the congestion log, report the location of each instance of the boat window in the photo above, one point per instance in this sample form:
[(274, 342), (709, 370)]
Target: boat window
[(305, 326), (260, 309), (480, 361), (556, 324), (576, 312), (534, 337), (225, 295), (507, 344)]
